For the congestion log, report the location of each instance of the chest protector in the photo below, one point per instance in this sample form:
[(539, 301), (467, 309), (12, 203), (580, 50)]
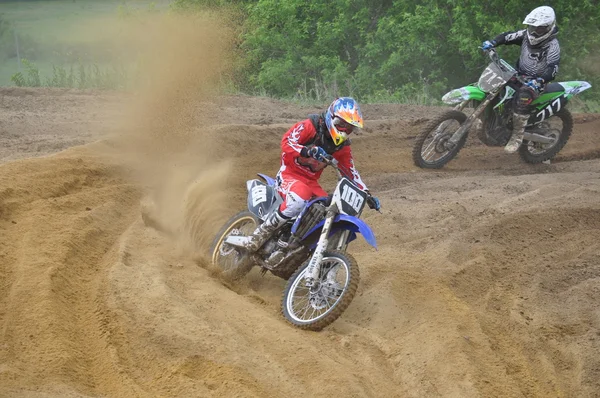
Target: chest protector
[(322, 139)]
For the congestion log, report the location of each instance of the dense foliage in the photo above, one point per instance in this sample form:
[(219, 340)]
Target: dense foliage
[(392, 49)]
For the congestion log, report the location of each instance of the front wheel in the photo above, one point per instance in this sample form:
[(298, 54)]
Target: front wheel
[(233, 262), (559, 127), (430, 150), (313, 308)]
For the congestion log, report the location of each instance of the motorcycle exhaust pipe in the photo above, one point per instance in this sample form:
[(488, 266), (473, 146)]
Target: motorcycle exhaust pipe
[(542, 139)]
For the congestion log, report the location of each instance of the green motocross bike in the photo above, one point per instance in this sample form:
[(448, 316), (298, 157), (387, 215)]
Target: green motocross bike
[(548, 129)]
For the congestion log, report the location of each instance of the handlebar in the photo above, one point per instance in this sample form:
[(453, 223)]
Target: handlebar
[(331, 161), (491, 52), (493, 55)]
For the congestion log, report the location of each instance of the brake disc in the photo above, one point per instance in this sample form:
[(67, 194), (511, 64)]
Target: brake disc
[(226, 249)]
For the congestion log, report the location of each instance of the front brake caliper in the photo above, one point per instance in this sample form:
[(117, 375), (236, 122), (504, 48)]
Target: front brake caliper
[(227, 249)]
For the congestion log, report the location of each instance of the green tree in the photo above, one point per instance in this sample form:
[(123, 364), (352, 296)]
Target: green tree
[(387, 49)]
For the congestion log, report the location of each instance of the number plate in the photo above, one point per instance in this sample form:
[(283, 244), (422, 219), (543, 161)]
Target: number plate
[(349, 198), (260, 197), (492, 78)]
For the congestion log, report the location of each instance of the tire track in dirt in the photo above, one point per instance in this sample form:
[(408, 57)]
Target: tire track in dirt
[(484, 284), (118, 309), (67, 214), (523, 269)]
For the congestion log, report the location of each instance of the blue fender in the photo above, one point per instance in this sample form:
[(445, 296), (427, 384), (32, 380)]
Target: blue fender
[(268, 180), (351, 223)]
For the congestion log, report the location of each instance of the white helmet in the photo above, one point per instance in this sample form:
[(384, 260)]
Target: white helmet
[(540, 24)]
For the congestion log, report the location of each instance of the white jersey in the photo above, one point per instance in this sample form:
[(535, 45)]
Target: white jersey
[(535, 61)]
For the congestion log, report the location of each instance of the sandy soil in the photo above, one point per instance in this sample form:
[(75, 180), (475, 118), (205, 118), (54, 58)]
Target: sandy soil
[(486, 282)]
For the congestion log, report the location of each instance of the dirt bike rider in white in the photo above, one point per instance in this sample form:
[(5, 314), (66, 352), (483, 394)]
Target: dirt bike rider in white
[(540, 56)]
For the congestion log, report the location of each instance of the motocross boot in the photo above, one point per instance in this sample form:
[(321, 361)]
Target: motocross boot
[(516, 139), (264, 231)]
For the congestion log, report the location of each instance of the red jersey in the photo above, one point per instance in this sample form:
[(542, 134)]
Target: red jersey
[(302, 135)]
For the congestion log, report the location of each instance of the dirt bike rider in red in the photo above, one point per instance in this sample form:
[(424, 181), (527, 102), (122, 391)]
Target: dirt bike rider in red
[(304, 146), (540, 56)]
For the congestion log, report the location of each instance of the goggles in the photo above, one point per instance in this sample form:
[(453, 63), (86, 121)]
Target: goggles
[(538, 31), (343, 126)]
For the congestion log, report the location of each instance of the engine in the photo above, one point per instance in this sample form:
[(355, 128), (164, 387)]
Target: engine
[(284, 245), (495, 131)]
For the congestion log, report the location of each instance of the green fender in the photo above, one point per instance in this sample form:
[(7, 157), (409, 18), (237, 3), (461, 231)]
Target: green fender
[(466, 93), (571, 89)]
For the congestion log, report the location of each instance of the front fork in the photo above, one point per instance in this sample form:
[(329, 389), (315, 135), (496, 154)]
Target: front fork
[(458, 135), (461, 106), (314, 266), (342, 242)]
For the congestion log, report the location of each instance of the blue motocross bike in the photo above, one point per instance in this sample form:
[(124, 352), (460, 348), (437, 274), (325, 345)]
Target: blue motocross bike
[(309, 251)]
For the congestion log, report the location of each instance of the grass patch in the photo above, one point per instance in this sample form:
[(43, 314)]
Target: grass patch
[(59, 33)]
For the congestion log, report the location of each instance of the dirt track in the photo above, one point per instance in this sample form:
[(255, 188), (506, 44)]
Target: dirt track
[(486, 282)]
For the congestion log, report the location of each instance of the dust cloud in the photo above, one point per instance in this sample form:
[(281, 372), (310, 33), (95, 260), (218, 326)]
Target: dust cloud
[(168, 143)]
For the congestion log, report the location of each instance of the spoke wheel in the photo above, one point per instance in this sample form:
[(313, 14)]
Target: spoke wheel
[(559, 128), (233, 262), (431, 149), (314, 307)]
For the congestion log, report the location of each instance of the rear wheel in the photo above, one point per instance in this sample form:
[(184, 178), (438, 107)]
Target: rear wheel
[(233, 262), (559, 127), (430, 150)]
